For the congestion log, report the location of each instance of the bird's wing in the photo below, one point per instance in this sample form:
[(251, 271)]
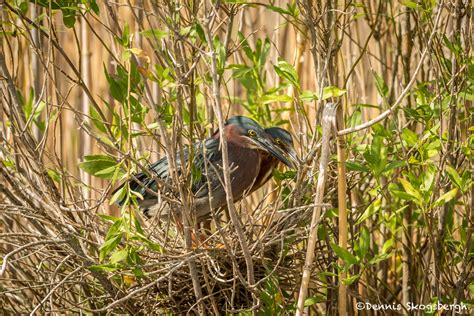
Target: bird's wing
[(159, 170), (145, 185), (207, 157)]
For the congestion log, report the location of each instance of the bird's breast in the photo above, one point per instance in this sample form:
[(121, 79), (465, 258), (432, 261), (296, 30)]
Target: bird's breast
[(245, 163)]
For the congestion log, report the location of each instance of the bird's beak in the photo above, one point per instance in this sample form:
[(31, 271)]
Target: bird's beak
[(291, 152), (266, 144)]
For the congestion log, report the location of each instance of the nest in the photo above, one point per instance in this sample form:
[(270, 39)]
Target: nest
[(51, 253)]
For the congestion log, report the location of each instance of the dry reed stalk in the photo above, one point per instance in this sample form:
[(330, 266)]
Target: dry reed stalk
[(85, 140), (342, 208), (328, 125)]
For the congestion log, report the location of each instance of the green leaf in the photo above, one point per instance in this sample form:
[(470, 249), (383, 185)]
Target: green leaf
[(109, 245), (448, 196), (428, 177), (410, 190), (286, 71), (150, 244), (409, 4), (245, 46), (114, 229), (308, 96), (454, 177), (263, 51), (46, 3), (154, 34), (332, 92), (369, 211), (103, 267), (403, 195), (109, 218), (381, 86), (107, 172), (138, 195), (239, 70), (69, 17), (138, 226), (8, 163), (364, 241), (278, 10), (387, 245), (54, 175), (94, 6), (275, 98), (41, 106), (409, 137), (394, 165), (344, 254), (23, 6), (355, 118), (125, 39), (379, 258), (310, 301), (119, 255), (97, 120), (101, 166), (356, 166), (118, 196), (279, 175), (351, 279)]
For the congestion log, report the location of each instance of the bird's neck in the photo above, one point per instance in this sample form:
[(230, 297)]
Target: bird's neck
[(233, 135)]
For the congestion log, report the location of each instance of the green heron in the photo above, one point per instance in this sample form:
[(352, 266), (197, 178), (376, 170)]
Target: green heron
[(247, 143), (283, 140)]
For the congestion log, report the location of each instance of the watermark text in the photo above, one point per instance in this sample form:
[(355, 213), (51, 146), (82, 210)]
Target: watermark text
[(457, 308)]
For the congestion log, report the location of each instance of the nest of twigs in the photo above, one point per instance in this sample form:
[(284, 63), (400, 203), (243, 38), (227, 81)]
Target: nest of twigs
[(51, 250)]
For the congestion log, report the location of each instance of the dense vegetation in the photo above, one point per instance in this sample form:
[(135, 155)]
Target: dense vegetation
[(94, 91)]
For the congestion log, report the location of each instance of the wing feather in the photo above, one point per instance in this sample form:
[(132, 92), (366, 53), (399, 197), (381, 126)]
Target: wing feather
[(160, 170)]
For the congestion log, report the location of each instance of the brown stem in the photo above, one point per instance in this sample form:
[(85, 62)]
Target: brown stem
[(341, 194)]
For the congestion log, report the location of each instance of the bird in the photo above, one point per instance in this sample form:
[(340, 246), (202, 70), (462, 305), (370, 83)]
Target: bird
[(284, 141), (247, 143)]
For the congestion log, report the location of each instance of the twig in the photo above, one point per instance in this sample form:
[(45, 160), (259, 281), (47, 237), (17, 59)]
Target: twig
[(143, 288), (31, 244), (54, 289)]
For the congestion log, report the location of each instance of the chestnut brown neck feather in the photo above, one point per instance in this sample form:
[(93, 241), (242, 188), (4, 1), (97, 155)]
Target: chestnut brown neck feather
[(233, 134)]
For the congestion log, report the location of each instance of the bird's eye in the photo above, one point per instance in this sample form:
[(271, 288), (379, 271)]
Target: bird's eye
[(252, 133), (278, 141)]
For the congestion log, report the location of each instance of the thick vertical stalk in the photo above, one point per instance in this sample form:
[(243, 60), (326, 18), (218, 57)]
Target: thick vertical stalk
[(328, 122), (406, 258), (35, 65), (85, 77), (341, 197)]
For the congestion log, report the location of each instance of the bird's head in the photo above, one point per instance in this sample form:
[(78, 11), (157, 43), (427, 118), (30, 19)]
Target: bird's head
[(283, 140), (248, 133)]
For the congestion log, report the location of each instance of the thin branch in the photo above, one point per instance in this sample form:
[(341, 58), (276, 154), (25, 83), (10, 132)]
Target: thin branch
[(225, 157), (54, 289)]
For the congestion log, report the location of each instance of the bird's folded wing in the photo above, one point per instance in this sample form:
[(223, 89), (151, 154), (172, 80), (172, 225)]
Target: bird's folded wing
[(206, 152)]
